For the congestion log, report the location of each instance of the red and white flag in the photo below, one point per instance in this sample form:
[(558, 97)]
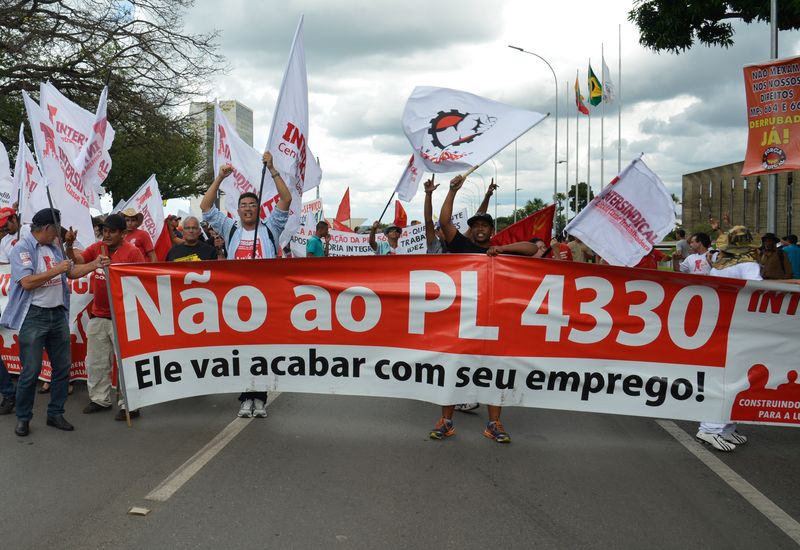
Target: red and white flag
[(7, 194), (28, 182), (408, 185), (91, 157), (74, 124), (628, 217), (453, 130), (229, 148), (147, 200), (288, 137), (62, 177)]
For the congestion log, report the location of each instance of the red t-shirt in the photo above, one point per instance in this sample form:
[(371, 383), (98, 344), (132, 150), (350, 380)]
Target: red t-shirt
[(651, 259), (141, 240), (563, 248), (124, 254)]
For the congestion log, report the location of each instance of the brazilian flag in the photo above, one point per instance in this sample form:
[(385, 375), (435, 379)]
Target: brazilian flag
[(595, 89)]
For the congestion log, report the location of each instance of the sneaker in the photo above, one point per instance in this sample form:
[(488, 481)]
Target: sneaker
[(93, 407), (121, 414), (246, 410), (716, 441), (735, 437), (464, 407), (494, 430), (7, 405), (259, 408), (444, 428)]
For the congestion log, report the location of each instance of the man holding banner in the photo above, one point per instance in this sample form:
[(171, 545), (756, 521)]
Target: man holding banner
[(38, 307), (250, 238), (482, 228)]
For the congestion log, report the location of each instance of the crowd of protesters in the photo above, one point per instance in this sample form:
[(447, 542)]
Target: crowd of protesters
[(41, 261)]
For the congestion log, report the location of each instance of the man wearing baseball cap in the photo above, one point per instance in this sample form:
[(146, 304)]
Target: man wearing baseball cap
[(100, 330), (482, 228), (9, 226), (38, 307), (392, 233)]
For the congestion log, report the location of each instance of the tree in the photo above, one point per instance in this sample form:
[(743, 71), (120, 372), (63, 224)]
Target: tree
[(138, 47), (582, 202), (666, 25), (560, 221), (530, 207)]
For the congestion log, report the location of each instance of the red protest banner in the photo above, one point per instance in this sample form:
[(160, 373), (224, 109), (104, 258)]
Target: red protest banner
[(450, 329), (773, 115)]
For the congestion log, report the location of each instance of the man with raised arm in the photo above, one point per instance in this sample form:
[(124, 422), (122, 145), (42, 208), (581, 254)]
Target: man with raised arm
[(239, 237), (482, 228)]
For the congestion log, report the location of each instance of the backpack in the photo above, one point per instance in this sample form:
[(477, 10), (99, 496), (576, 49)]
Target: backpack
[(269, 233)]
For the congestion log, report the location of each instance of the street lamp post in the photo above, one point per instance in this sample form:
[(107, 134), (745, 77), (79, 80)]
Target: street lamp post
[(555, 152)]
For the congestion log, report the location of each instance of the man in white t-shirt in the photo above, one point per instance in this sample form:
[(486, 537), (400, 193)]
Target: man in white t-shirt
[(737, 259), (697, 262)]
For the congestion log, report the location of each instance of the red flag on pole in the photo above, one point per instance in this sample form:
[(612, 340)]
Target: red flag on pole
[(539, 224), (343, 214), (400, 216)]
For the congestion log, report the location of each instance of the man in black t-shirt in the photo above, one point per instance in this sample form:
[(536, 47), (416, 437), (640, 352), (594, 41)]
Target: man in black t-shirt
[(482, 229), (192, 249)]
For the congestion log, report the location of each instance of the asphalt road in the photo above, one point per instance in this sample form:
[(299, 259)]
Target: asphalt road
[(351, 472)]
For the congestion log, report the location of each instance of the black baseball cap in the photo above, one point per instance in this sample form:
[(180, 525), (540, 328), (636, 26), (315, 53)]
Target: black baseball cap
[(481, 217), (45, 217), (115, 222)]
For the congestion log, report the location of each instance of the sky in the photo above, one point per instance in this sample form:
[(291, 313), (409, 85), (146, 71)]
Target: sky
[(684, 112)]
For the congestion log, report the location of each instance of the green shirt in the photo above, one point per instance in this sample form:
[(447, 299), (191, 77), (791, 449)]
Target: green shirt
[(314, 247)]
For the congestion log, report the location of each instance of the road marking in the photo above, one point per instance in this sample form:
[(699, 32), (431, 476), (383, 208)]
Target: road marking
[(756, 498), (188, 469)]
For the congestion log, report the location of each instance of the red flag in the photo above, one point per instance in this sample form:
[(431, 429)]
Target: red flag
[(343, 214), (400, 216), (579, 98), (336, 225), (539, 224), (163, 244)]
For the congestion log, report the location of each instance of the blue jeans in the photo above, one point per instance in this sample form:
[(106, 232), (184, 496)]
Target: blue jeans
[(43, 328), (6, 385)]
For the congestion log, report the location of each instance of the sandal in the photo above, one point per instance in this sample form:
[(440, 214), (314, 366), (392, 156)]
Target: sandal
[(45, 388)]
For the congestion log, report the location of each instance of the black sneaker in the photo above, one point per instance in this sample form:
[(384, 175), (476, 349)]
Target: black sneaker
[(93, 407), (7, 405), (121, 415)]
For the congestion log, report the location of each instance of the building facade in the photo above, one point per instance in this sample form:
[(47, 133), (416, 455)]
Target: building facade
[(716, 191)]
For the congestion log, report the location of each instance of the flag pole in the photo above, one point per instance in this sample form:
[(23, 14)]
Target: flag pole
[(117, 354), (602, 115), (258, 207), (387, 205), (577, 146), (619, 100), (589, 150), (566, 161)]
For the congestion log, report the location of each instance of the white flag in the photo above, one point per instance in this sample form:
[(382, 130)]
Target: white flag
[(608, 86), (229, 148), (409, 182), (147, 200), (288, 138), (7, 194), (62, 177), (453, 130), (90, 159), (74, 124), (28, 182), (627, 218)]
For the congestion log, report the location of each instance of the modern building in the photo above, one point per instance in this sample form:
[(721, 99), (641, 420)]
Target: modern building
[(239, 115), (716, 191)]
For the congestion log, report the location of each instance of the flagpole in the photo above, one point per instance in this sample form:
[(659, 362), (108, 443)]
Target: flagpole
[(619, 100), (602, 116), (258, 210), (566, 156), (589, 148), (387, 205), (577, 146)]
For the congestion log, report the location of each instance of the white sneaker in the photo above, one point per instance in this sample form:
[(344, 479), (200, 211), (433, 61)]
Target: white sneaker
[(463, 407), (716, 441), (735, 437), (246, 410), (259, 408)]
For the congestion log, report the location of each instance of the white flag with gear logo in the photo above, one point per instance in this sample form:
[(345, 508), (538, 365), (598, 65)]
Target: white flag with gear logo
[(453, 130)]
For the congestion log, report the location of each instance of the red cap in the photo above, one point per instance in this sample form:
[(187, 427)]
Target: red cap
[(5, 214)]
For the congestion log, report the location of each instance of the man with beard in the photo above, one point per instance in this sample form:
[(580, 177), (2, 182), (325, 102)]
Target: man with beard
[(482, 228)]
